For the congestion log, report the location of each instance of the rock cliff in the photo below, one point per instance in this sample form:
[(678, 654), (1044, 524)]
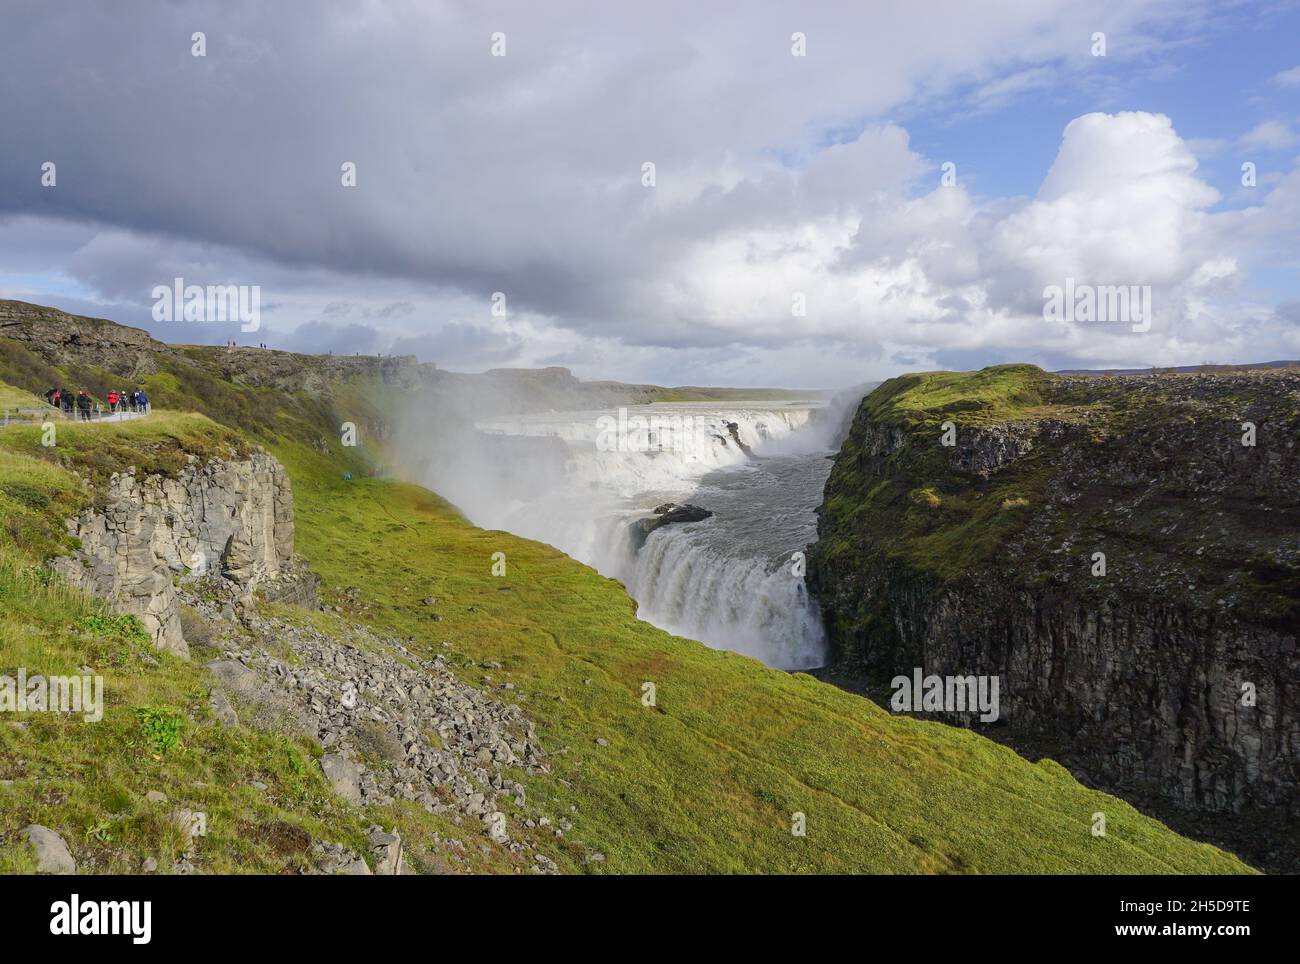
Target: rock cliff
[(231, 519), (1124, 553)]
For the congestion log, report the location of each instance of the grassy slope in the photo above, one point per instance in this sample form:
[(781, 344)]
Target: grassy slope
[(11, 398), (705, 781)]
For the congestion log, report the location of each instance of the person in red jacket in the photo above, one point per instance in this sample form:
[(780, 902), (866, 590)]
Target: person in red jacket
[(112, 401)]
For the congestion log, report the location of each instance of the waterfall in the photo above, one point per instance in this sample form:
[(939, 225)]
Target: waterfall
[(578, 480)]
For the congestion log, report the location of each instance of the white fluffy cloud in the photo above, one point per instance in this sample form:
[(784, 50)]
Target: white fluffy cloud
[(941, 274)]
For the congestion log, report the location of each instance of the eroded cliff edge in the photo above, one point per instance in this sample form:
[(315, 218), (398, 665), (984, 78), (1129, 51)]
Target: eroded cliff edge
[(980, 557), (228, 517)]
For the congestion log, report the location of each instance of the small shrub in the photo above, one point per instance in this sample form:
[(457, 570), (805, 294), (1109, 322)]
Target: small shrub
[(118, 625), (926, 498), (197, 630), (161, 726), (24, 493), (39, 575), (297, 764)]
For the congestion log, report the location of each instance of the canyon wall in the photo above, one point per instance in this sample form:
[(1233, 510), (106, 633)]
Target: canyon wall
[(1111, 548)]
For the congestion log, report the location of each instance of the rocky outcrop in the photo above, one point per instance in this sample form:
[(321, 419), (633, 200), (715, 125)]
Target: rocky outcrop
[(64, 339), (232, 519), (733, 429), (1116, 555), (670, 513)]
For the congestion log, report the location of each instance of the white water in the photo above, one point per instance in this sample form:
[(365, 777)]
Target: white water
[(577, 480)]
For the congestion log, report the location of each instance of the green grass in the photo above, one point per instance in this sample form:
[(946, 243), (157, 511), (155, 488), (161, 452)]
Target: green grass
[(162, 444), (11, 398), (88, 780), (707, 780), (999, 393)]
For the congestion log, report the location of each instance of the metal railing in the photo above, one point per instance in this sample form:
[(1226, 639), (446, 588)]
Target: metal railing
[(98, 412)]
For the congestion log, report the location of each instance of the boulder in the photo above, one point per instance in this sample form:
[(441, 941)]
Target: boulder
[(670, 513), (52, 854), (343, 775)]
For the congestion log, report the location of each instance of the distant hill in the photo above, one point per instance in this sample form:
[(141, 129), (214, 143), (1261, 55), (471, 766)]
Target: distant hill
[(98, 354), (1180, 369)]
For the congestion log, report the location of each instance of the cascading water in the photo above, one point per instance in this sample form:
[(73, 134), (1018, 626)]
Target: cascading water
[(579, 480)]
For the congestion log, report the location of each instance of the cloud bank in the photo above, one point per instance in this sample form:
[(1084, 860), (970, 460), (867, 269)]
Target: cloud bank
[(793, 233)]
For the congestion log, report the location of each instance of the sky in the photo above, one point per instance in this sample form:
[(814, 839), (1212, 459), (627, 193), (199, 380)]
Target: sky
[(840, 191)]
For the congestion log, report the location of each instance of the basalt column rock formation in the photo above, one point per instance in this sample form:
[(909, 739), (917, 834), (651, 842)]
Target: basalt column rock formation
[(1123, 552), (228, 518)]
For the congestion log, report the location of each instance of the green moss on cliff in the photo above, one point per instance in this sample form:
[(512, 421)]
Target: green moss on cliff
[(997, 394), (906, 499), (161, 444)]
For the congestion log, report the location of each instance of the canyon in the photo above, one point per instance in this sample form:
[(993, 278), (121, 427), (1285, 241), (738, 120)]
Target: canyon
[(1111, 550)]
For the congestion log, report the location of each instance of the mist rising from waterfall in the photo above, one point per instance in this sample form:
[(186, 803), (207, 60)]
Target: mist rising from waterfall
[(731, 581)]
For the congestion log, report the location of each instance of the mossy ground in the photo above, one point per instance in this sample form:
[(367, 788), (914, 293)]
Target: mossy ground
[(996, 394), (708, 779)]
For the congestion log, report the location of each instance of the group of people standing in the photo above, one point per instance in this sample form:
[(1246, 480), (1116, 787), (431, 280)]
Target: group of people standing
[(82, 403)]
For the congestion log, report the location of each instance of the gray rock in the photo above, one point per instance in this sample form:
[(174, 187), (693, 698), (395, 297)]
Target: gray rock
[(222, 708), (343, 775), (670, 513), (52, 854), (234, 674), (192, 823), (389, 861)]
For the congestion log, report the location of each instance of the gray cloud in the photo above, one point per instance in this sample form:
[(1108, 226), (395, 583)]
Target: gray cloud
[(521, 174)]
